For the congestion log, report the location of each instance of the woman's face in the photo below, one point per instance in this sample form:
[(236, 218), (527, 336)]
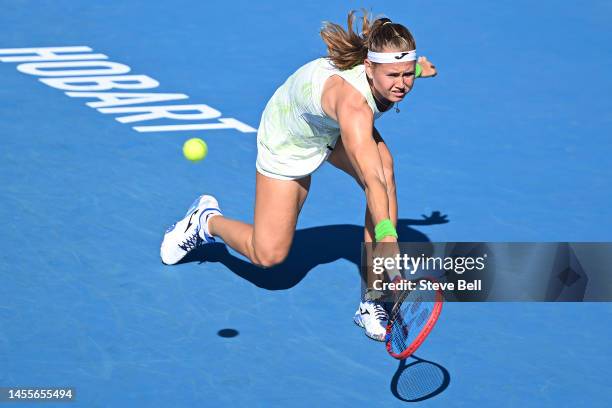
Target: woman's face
[(391, 81)]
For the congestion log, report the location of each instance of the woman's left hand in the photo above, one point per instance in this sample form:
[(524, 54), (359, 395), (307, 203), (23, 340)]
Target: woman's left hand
[(429, 69)]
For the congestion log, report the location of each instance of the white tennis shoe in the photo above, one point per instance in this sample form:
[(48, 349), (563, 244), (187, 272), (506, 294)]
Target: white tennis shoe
[(191, 232), (373, 317)]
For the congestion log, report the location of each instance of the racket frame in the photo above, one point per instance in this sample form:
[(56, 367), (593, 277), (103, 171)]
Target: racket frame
[(427, 328)]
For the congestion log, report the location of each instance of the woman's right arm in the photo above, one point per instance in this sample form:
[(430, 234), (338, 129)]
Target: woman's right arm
[(356, 128)]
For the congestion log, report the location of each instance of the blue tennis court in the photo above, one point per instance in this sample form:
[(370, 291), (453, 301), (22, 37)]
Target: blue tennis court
[(511, 141)]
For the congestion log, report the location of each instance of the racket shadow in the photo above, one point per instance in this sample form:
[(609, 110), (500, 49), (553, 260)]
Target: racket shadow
[(311, 247), (419, 380)]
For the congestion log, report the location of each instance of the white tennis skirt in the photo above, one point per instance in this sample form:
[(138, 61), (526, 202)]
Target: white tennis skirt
[(287, 162)]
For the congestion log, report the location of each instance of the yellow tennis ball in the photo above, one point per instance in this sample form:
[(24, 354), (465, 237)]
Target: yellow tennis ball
[(195, 149)]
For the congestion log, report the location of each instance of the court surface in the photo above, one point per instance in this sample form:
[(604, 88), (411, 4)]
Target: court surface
[(511, 141)]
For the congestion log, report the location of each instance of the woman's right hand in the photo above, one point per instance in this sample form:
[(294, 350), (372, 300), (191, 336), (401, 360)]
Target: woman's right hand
[(388, 248)]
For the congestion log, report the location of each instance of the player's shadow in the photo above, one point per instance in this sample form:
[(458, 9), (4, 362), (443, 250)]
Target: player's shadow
[(311, 247), (419, 380)]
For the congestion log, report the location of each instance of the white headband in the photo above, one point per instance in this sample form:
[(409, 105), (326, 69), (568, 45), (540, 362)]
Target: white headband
[(392, 57)]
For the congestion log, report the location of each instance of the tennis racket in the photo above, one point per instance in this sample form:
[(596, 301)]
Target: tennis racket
[(413, 316)]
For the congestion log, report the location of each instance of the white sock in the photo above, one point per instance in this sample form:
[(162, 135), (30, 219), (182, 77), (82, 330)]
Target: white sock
[(206, 216)]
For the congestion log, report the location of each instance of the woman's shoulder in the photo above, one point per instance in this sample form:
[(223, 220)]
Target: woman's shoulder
[(359, 87)]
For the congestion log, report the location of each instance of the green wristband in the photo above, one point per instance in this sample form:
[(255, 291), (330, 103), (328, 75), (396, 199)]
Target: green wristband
[(418, 70), (384, 229)]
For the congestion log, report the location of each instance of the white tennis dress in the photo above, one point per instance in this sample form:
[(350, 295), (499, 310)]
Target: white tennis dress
[(295, 135)]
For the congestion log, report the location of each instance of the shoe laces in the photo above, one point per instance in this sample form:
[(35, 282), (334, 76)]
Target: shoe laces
[(379, 312), (192, 242)]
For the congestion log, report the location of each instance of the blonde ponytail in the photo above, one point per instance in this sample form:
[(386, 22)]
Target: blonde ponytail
[(348, 48)]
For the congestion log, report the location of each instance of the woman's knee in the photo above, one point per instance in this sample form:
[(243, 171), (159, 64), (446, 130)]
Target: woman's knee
[(268, 256)]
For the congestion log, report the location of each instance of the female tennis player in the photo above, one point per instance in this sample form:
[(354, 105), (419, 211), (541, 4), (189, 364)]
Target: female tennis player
[(324, 111)]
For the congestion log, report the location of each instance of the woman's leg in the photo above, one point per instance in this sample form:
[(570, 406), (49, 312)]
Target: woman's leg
[(277, 205)]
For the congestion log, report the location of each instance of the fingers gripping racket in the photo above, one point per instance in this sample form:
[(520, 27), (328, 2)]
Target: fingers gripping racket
[(413, 316)]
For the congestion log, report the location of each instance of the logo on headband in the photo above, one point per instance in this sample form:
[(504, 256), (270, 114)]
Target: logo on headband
[(402, 55)]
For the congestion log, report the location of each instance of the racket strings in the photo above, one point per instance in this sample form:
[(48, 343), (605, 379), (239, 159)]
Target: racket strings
[(416, 304), (410, 319)]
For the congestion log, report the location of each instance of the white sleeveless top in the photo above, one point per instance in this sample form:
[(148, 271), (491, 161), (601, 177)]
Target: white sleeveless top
[(295, 135)]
